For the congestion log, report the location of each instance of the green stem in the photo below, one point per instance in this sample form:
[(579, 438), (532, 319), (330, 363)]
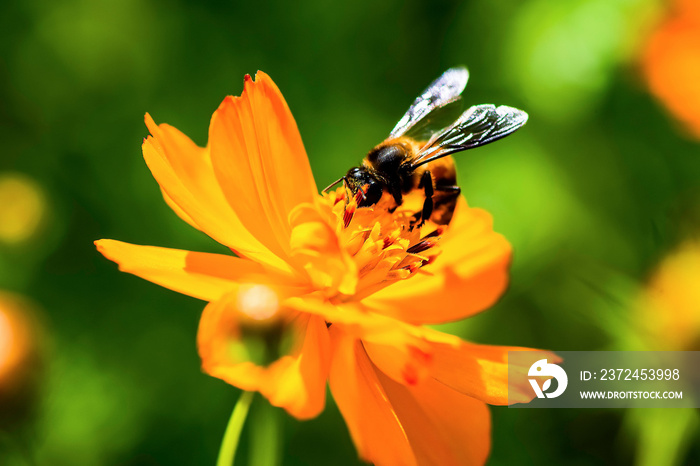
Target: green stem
[(265, 435), (227, 452)]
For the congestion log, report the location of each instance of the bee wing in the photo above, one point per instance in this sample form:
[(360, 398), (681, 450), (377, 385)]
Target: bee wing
[(478, 126), (444, 92), (436, 120)]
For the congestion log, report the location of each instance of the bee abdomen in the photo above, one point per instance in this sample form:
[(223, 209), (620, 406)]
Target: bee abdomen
[(446, 190), (445, 204)]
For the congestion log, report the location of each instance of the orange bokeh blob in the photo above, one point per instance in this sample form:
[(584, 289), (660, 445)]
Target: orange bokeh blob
[(15, 333), (668, 308), (671, 63)]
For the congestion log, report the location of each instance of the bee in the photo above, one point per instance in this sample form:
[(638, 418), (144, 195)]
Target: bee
[(417, 154)]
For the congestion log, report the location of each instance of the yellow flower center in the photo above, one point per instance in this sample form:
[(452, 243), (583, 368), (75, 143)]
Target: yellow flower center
[(380, 246)]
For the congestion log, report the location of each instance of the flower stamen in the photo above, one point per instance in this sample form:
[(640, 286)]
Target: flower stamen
[(348, 215), (423, 245)]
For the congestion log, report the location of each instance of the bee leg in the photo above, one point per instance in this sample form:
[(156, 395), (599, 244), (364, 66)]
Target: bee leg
[(446, 197), (426, 183), (395, 190)]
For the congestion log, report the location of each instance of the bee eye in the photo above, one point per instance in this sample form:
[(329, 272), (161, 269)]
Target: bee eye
[(355, 178)]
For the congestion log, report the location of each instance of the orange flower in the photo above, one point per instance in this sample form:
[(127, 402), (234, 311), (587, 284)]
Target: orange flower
[(352, 298), (668, 307), (671, 63)]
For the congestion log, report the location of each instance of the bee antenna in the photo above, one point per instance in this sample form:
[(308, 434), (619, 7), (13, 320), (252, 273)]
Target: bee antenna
[(342, 178)]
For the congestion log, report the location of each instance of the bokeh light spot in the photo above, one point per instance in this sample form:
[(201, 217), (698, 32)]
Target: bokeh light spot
[(22, 207), (259, 302), (6, 341)]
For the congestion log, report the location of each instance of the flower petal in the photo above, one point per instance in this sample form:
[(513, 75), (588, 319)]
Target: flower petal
[(186, 176), (406, 355), (443, 426), (201, 275), (295, 381), (260, 161), (314, 248), (178, 211), (375, 430), (356, 320), (392, 423), (468, 277), (481, 371)]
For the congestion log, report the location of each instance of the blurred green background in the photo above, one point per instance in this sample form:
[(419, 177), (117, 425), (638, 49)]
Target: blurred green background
[(596, 189)]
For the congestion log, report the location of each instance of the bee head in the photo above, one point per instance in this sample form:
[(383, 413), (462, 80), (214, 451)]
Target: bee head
[(360, 178)]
